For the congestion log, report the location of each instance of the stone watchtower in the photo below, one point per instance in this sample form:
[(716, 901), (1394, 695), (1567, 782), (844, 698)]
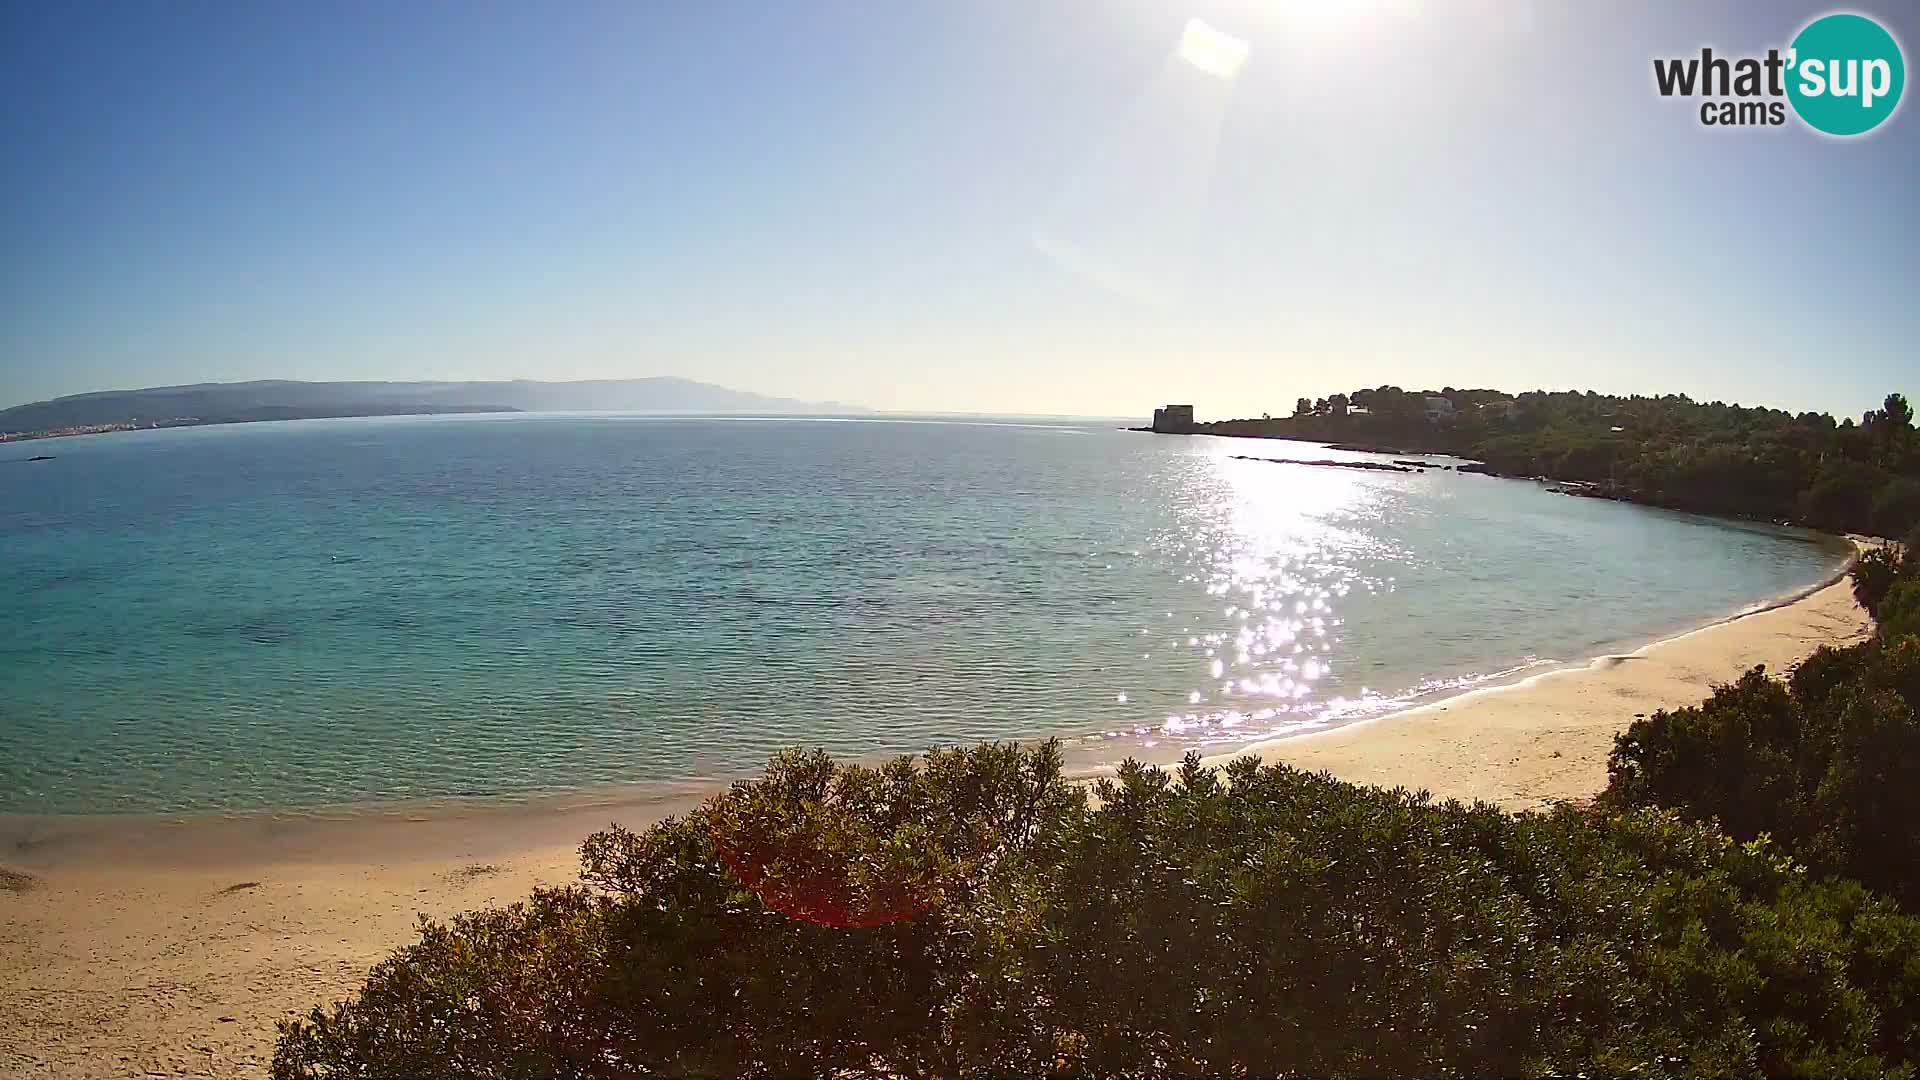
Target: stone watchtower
[(1173, 418)]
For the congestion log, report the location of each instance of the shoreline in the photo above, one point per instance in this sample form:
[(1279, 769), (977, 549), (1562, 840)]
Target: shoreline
[(1545, 738), (173, 945), (507, 823)]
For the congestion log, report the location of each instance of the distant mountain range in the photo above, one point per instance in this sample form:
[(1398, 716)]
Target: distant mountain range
[(224, 403)]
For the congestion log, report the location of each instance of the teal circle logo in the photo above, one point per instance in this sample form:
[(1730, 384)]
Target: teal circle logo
[(1845, 74)]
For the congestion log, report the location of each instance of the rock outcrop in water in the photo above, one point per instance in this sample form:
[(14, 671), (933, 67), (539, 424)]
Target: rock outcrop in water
[(1369, 466)]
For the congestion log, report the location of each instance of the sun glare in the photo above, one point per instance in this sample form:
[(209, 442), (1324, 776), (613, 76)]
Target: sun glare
[(1335, 10), (1213, 51), (1127, 218)]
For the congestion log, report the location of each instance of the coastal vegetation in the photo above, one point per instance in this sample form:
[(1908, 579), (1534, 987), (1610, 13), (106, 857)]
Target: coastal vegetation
[(1743, 900), (1767, 464), (1826, 763), (974, 914)]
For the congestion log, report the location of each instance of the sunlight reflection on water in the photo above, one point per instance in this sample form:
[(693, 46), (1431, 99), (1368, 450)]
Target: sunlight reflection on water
[(1285, 547), (328, 612), (1258, 537)]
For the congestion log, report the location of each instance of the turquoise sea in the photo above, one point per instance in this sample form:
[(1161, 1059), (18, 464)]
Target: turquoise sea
[(344, 611)]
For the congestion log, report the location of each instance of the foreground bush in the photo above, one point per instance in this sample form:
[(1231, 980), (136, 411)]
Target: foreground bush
[(975, 916), (1886, 581), (1827, 764), (1877, 570), (1899, 614)]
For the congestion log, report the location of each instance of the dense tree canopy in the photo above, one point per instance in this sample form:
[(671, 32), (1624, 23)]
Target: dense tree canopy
[(1668, 451)]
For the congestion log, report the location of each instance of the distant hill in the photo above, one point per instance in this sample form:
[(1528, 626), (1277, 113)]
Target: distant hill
[(215, 403)]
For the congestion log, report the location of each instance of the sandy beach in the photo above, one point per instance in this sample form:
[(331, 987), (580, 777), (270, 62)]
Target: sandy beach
[(1546, 739), (171, 947)]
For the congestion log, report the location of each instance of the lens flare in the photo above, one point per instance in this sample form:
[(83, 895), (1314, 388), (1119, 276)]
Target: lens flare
[(1213, 51), (1128, 218)]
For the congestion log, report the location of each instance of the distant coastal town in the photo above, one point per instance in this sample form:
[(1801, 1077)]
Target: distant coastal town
[(249, 416), (96, 429)]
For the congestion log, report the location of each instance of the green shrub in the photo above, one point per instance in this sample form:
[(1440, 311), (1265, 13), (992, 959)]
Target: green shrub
[(1735, 759), (1875, 572), (1826, 764), (974, 916), (1899, 612)]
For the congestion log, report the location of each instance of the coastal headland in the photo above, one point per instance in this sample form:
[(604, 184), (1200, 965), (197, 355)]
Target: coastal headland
[(1808, 469)]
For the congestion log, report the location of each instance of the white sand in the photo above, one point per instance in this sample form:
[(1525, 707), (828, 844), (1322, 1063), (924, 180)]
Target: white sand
[(1546, 739)]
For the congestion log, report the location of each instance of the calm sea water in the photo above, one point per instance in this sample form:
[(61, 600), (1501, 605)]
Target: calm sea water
[(327, 612)]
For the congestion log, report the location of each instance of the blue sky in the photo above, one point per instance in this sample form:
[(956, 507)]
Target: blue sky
[(842, 200)]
